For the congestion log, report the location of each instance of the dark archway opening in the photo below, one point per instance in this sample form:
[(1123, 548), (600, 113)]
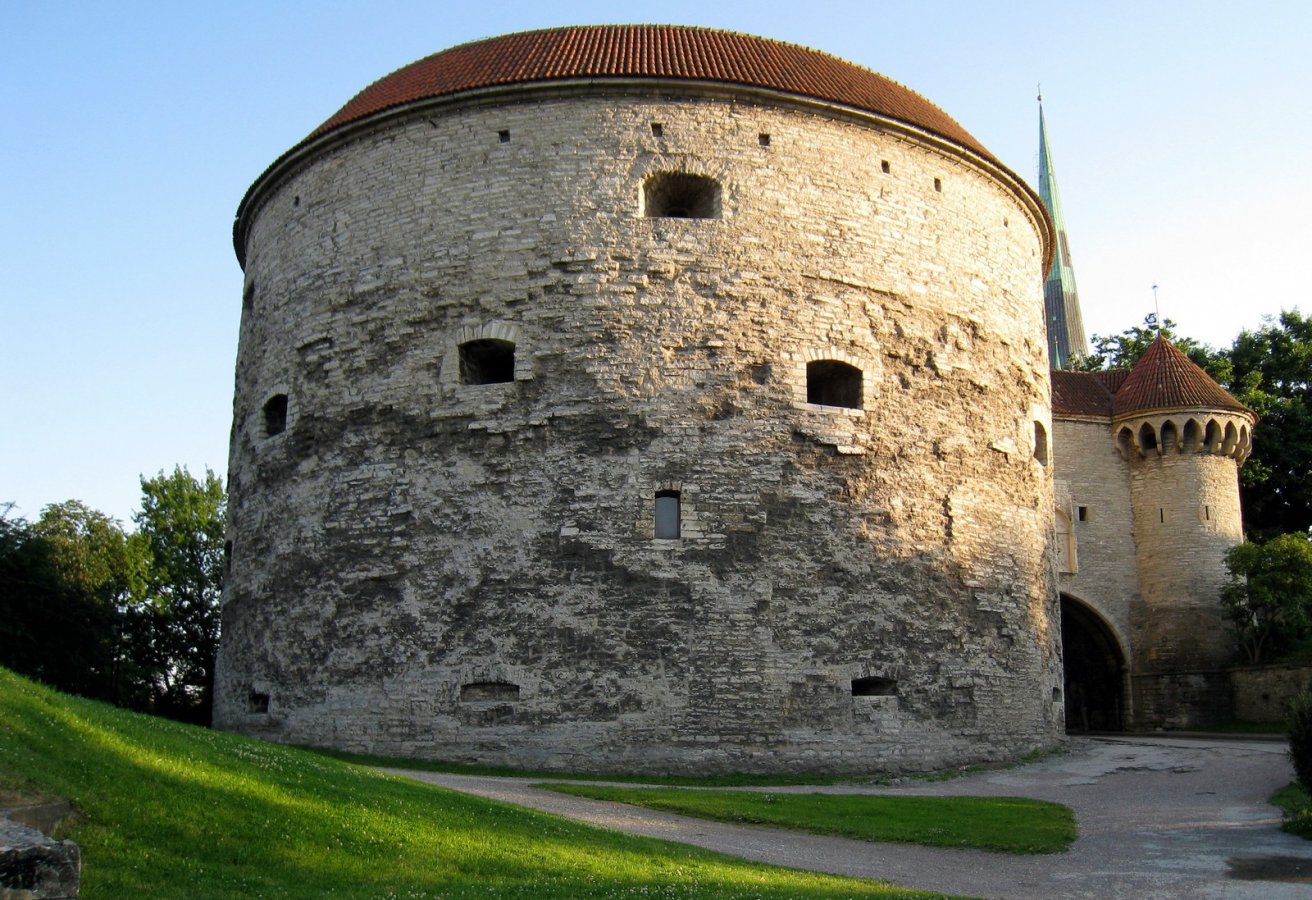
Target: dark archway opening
[(1095, 668)]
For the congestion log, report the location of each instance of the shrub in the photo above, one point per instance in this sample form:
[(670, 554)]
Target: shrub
[(1299, 730)]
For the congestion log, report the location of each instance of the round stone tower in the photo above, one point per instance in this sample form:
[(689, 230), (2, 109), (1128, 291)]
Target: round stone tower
[(642, 398), (1184, 437)]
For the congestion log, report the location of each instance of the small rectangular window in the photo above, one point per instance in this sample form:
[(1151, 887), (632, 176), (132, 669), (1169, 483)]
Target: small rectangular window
[(503, 137), (1084, 513), (874, 686), (667, 515), (657, 129)]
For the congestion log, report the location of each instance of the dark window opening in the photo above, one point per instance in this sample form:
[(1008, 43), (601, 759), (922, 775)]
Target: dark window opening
[(1147, 438), (503, 137), (884, 166), (833, 383), (275, 415), (679, 195), (657, 129), (874, 686), (1084, 513), (1207, 513), (227, 556), (667, 515), (257, 702), (1040, 443), (1161, 515), (764, 139), (500, 691), (487, 361), (248, 297), (938, 184), (296, 201)]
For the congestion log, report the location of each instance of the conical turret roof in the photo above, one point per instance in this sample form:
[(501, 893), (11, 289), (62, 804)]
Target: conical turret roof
[(1165, 378)]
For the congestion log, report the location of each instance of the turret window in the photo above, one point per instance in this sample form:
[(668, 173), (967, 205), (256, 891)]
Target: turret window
[(681, 195), (668, 525), (487, 361), (833, 383), (275, 415), (1040, 444), (874, 686)]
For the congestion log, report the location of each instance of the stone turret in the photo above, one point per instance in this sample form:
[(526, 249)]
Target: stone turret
[(1184, 438)]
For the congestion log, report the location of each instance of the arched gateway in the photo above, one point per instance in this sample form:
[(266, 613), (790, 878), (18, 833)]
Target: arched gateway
[(1095, 670)]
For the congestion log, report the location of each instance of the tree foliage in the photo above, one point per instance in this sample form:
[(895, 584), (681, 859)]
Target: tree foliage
[(1272, 374), (132, 618), (1269, 596), (50, 628), (181, 523)]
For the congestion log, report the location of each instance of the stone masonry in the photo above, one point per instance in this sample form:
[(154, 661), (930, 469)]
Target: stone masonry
[(425, 565)]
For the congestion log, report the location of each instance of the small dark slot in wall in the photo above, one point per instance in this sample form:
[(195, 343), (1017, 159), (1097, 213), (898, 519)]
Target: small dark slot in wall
[(874, 686), (476, 691)]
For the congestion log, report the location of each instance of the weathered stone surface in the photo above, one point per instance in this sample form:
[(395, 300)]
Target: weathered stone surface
[(1147, 554), (423, 567), (1264, 693), (36, 867)]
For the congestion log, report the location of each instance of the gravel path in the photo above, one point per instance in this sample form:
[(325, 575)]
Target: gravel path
[(1158, 817)]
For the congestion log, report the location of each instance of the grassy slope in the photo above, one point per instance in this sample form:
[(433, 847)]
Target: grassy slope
[(167, 810), (1005, 824)]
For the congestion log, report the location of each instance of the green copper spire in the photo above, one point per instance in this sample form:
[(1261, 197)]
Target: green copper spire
[(1061, 302)]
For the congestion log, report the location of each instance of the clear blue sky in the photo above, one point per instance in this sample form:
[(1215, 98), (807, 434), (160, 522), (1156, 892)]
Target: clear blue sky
[(1181, 132)]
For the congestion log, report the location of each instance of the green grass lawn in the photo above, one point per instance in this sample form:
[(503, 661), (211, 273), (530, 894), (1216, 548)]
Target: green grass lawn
[(167, 810), (1004, 824), (1296, 805)]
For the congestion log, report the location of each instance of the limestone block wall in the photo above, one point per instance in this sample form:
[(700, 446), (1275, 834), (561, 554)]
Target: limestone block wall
[(427, 567), (1096, 480), (1186, 508), (1264, 693)]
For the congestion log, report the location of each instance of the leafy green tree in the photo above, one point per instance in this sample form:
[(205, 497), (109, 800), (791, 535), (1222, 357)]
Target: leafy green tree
[(1269, 596), (107, 567), (51, 627), (181, 522), (1272, 374)]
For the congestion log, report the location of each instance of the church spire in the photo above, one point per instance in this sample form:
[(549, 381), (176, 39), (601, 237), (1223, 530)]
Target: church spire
[(1066, 339)]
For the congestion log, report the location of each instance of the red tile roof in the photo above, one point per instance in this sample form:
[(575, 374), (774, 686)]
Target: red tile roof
[(650, 51), (1165, 377), (1082, 393)]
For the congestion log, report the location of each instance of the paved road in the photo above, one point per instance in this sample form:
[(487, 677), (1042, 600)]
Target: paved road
[(1158, 817)]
